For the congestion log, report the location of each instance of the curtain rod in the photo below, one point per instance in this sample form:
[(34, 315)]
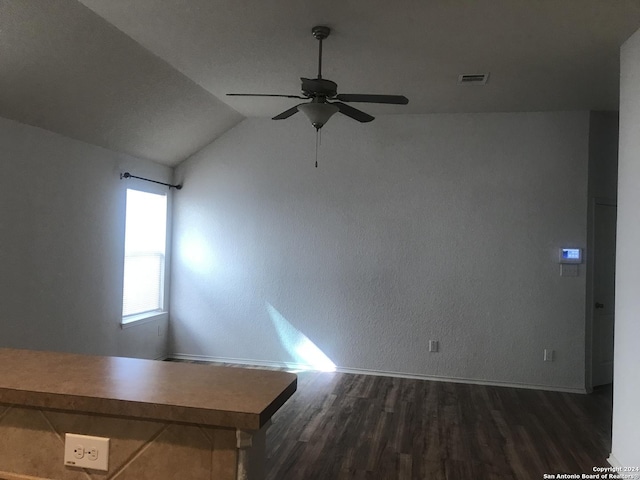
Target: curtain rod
[(128, 175)]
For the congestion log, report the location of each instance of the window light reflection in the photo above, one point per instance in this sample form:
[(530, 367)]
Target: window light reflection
[(304, 352)]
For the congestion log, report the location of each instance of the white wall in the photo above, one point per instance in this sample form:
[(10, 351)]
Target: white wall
[(414, 227), (626, 392), (62, 243)]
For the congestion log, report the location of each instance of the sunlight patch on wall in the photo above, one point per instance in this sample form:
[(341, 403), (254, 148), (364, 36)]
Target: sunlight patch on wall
[(303, 351), (196, 253)]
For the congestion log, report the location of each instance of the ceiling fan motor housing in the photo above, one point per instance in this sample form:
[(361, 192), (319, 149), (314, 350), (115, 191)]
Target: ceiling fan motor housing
[(319, 87)]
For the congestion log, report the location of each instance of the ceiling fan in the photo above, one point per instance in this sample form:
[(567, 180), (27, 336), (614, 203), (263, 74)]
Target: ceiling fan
[(324, 96)]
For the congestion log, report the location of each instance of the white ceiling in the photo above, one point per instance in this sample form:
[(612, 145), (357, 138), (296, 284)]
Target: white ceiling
[(149, 77)]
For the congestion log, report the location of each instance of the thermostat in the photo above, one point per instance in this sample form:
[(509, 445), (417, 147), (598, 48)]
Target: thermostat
[(570, 255)]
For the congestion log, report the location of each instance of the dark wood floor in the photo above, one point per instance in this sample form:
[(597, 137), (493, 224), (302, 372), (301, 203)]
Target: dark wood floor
[(340, 426)]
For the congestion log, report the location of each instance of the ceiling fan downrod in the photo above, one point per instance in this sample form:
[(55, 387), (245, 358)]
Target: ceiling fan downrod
[(320, 32)]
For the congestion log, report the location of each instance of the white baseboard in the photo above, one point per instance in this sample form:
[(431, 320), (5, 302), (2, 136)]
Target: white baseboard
[(382, 373), (241, 361), (615, 463), (471, 381)]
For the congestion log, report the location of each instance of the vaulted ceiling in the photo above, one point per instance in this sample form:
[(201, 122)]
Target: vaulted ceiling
[(149, 77)]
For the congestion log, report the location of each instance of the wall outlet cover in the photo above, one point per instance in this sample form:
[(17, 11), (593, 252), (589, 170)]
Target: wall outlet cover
[(86, 451)]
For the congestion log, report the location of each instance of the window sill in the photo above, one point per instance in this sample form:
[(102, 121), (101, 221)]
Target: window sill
[(142, 318)]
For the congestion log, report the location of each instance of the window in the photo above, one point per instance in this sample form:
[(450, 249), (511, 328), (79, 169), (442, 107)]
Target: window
[(144, 255)]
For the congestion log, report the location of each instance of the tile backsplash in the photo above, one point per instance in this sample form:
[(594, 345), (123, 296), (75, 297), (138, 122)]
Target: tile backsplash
[(32, 447)]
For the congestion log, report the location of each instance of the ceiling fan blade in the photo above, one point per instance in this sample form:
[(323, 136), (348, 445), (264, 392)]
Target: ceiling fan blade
[(357, 97), (286, 113), (263, 95), (354, 113)]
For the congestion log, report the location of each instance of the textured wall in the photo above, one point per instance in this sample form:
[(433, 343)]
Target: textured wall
[(414, 227), (626, 415), (62, 244)]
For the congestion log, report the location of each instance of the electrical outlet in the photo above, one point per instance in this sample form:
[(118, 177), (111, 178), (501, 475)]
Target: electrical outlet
[(433, 345), (78, 451), (548, 355), (92, 454), (86, 451)]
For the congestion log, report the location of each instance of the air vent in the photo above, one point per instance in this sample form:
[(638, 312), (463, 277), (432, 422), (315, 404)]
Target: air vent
[(473, 79)]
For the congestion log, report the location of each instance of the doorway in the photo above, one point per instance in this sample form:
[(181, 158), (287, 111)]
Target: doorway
[(602, 308)]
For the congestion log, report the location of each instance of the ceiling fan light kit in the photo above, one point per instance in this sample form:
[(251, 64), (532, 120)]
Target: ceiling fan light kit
[(318, 113), (324, 96)]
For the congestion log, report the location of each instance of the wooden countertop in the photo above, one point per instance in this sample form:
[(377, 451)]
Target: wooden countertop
[(150, 389)]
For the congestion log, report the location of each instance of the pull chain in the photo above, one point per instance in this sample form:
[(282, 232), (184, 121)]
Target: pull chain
[(317, 144)]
